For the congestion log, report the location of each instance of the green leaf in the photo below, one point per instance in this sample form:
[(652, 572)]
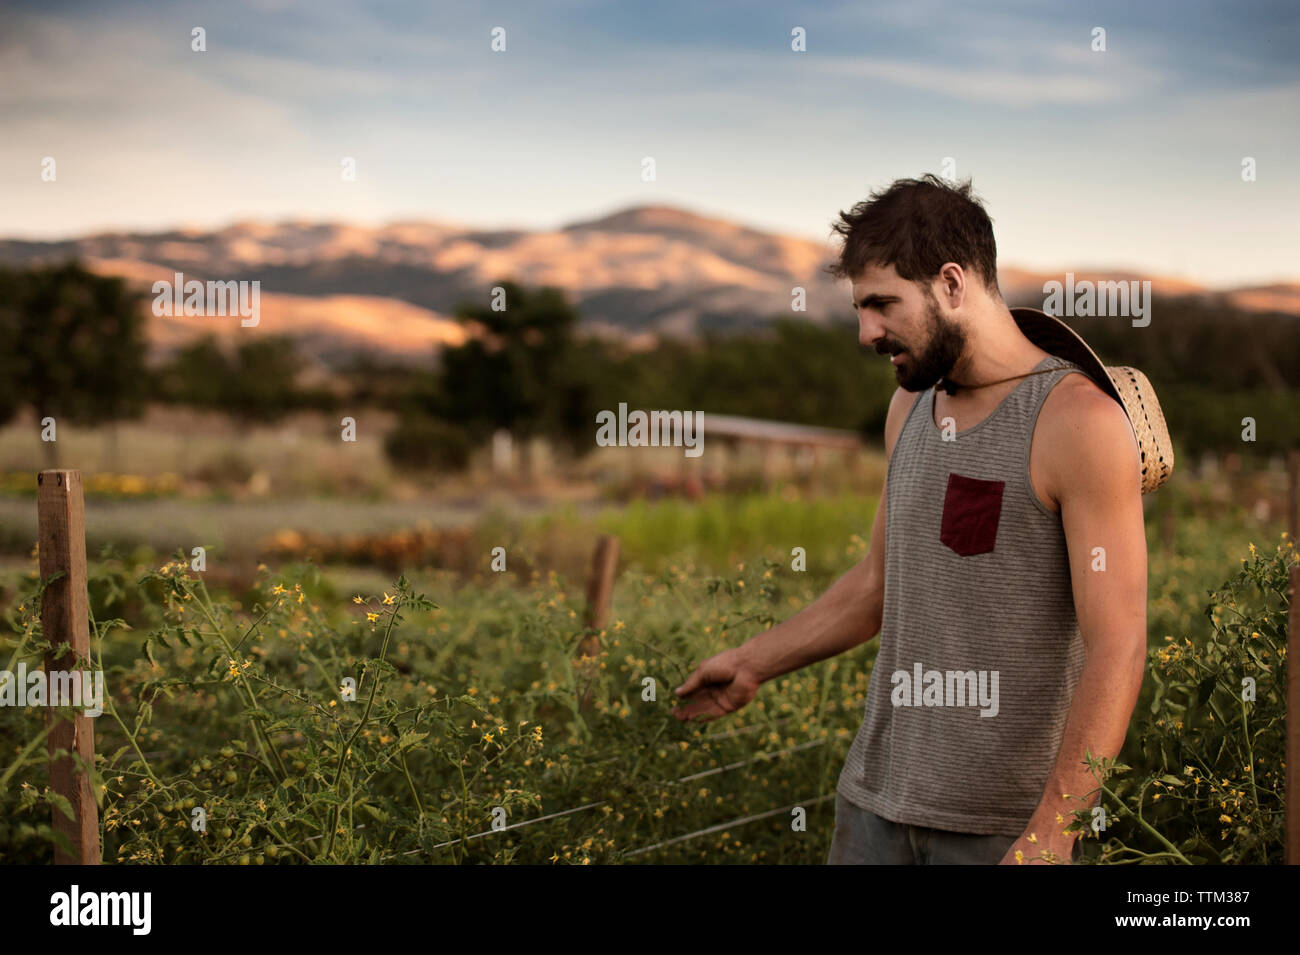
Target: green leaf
[(1204, 689), (61, 803)]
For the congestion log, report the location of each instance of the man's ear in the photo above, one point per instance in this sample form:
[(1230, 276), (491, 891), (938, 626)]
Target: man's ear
[(952, 284)]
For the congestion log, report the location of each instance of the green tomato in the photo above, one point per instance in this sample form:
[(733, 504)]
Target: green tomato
[(227, 832), (246, 841), (227, 751), (244, 859), (232, 777), (259, 859)]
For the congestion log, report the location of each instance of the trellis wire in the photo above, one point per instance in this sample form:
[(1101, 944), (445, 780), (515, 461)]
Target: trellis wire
[(744, 820), (592, 805)]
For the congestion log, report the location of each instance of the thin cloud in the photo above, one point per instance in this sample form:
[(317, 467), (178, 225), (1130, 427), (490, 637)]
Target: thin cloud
[(998, 87)]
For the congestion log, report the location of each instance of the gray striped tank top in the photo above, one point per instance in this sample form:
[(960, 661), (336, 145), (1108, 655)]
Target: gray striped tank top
[(979, 646)]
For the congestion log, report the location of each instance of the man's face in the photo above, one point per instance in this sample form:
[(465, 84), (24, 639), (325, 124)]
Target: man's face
[(900, 319)]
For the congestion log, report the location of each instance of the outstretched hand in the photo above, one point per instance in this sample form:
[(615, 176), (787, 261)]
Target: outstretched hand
[(720, 685)]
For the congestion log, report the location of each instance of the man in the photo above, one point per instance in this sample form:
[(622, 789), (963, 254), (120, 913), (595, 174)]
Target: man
[(1006, 573)]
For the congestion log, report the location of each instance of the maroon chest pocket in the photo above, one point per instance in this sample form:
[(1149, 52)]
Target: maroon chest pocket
[(971, 510)]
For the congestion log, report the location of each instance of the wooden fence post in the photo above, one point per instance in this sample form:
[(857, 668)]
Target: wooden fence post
[(1292, 821), (61, 522), (600, 590)]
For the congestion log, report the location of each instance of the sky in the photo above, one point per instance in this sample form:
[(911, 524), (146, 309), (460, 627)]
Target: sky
[(1128, 158)]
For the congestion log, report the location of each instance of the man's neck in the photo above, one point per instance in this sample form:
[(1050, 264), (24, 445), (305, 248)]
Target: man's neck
[(995, 349)]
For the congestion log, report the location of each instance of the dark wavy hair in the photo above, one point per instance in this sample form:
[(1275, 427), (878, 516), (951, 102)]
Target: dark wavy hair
[(916, 225)]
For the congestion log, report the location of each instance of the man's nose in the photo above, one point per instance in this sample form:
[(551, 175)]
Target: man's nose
[(870, 331)]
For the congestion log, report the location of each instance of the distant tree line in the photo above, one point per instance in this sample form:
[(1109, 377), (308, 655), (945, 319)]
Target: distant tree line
[(76, 348), (1213, 367), (254, 382)]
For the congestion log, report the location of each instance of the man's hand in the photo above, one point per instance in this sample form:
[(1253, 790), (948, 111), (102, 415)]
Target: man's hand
[(720, 685)]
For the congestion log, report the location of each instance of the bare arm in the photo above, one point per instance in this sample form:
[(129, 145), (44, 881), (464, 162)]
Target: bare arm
[(1094, 457), (848, 614)]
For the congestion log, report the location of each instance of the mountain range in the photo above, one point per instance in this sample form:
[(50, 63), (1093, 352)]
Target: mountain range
[(390, 291)]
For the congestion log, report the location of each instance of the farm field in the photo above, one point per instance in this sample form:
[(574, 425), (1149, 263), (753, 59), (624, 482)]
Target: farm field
[(467, 697)]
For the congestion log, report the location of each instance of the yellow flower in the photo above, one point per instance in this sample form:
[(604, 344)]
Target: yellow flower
[(1020, 857), (357, 600), (388, 599), (372, 617)]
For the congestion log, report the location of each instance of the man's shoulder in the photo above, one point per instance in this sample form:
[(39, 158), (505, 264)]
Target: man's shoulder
[(1077, 402), (1085, 434)]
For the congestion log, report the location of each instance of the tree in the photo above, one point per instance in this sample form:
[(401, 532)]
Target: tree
[(517, 372), (75, 347)]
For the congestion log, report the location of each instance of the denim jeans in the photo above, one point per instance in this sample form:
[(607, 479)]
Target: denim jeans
[(863, 838)]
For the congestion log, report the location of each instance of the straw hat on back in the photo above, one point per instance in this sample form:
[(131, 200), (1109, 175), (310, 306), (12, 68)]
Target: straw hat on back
[(1128, 386)]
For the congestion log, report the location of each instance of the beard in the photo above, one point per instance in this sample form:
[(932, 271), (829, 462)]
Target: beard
[(921, 370)]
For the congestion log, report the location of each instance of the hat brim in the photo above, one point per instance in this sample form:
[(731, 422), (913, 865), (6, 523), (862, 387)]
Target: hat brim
[(1054, 336)]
